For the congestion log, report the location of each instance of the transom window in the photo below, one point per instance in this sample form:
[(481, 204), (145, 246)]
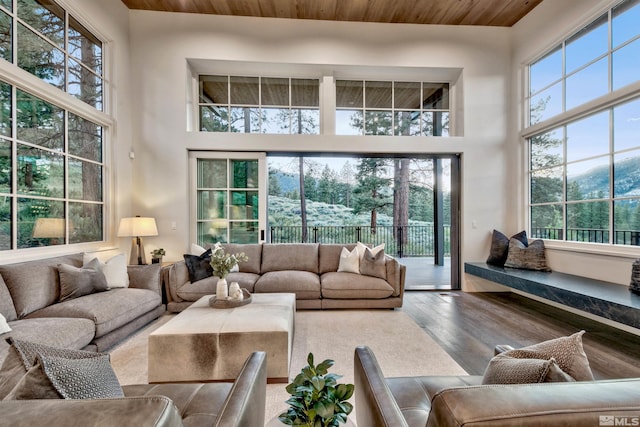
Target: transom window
[(259, 105), (52, 45), (577, 70), (51, 173), (583, 174), (392, 108)]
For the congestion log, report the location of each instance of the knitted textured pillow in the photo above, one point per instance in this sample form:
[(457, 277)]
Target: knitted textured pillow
[(528, 258), (500, 246)]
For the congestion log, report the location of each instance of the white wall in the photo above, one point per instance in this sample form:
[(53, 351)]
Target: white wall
[(543, 28), (161, 43)]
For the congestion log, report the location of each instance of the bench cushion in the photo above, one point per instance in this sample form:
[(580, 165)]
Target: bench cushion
[(354, 286), (109, 310)]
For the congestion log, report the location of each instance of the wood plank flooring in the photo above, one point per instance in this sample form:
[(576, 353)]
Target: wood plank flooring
[(469, 325)]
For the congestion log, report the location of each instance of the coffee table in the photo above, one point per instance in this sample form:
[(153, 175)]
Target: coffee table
[(211, 344)]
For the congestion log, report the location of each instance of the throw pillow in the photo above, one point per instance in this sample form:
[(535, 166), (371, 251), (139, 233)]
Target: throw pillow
[(500, 246), (361, 247), (196, 250), (55, 377), (373, 264), (528, 258), (568, 352), (22, 356), (349, 261), (114, 269), (509, 370), (199, 266), (76, 282), (4, 326)]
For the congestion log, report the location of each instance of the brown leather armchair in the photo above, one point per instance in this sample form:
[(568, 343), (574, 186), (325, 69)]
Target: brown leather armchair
[(436, 401), (237, 404)]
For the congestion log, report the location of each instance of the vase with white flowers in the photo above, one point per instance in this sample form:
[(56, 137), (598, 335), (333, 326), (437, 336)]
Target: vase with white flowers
[(222, 264)]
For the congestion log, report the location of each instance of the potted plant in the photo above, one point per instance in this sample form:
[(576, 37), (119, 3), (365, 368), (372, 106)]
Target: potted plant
[(156, 256), (317, 400)]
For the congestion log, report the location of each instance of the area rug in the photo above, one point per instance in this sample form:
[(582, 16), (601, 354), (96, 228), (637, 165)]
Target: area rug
[(401, 347)]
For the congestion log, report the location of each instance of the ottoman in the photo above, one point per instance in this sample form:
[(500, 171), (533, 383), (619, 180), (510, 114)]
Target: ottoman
[(211, 344)]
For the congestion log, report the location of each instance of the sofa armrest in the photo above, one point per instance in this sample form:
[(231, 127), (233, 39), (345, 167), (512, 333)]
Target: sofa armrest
[(395, 275), (139, 411), (145, 277), (245, 404), (544, 404), (375, 405)]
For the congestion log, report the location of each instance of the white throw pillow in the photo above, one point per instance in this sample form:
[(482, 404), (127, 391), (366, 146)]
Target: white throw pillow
[(374, 251), (4, 326), (196, 250), (349, 261), (114, 269)]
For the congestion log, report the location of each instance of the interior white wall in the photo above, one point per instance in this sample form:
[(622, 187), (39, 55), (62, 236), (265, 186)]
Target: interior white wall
[(543, 28), (161, 43)]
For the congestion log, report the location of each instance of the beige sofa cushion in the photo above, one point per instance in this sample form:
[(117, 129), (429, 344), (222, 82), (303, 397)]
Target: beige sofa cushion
[(6, 303), (354, 286), (304, 284), (252, 251), (329, 255), (109, 310), (287, 256), (194, 291), (35, 284)]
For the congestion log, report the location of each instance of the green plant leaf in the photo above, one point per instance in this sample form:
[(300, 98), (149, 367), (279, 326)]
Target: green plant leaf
[(325, 410), (310, 359), (323, 367)]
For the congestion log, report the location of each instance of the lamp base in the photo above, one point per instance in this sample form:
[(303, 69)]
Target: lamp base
[(137, 252)]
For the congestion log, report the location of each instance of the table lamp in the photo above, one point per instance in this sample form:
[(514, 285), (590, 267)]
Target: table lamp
[(137, 227), (49, 228)]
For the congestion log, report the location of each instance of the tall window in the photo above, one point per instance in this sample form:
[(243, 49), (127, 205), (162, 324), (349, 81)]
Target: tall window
[(51, 156), (259, 105), (392, 108), (584, 184)]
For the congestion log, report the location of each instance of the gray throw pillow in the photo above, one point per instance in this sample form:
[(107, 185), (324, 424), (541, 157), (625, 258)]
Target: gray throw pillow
[(500, 246), (528, 258), (51, 372), (79, 281), (373, 265), (56, 377)]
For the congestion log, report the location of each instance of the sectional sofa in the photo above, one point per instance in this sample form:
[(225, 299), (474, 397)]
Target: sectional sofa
[(308, 270), (29, 301)]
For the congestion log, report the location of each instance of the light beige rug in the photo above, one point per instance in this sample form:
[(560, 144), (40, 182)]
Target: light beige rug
[(401, 347)]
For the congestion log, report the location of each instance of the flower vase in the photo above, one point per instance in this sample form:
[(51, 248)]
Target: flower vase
[(222, 291)]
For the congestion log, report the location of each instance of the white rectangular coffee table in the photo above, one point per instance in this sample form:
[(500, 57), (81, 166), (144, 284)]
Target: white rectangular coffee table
[(211, 344)]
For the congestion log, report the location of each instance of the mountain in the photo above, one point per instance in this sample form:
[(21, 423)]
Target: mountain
[(627, 178)]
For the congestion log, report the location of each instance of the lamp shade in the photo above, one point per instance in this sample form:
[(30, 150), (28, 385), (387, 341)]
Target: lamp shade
[(137, 227), (48, 228)]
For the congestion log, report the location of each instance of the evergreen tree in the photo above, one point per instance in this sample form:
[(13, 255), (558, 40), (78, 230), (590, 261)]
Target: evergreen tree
[(372, 192)]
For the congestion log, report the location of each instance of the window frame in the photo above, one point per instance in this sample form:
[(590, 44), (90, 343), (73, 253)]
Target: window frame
[(605, 103), (19, 79)]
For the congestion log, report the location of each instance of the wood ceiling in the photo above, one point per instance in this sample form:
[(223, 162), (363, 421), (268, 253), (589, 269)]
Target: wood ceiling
[(501, 13)]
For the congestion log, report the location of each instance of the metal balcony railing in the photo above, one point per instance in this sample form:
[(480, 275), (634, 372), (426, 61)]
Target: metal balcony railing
[(405, 241)]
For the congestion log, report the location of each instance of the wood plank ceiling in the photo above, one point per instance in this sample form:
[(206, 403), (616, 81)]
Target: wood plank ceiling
[(501, 13)]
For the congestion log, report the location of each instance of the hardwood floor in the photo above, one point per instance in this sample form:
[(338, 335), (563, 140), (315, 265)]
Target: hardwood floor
[(469, 325)]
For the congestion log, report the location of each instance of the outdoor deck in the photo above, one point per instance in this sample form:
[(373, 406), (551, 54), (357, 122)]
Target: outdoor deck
[(422, 274)]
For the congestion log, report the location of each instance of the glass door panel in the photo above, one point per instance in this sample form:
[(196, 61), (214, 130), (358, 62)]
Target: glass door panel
[(228, 197)]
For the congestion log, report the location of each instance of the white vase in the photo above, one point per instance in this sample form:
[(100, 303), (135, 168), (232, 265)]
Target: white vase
[(234, 291), (222, 291)]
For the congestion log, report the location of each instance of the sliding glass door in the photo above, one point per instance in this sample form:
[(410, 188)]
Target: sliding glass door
[(228, 197)]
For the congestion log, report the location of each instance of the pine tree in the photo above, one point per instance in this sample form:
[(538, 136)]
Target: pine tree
[(372, 192)]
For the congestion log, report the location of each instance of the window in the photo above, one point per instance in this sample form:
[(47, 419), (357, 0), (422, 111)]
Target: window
[(52, 45), (259, 105), (584, 184), (577, 71), (392, 108), (51, 155)]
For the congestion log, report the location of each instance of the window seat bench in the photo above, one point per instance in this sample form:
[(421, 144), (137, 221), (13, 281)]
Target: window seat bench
[(605, 299)]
